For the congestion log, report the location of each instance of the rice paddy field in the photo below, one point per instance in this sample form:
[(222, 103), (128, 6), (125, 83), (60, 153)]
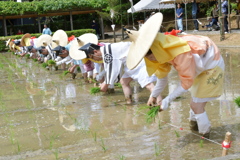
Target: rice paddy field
[(47, 115)]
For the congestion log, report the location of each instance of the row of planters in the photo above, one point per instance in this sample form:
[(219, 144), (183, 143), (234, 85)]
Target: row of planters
[(76, 33)]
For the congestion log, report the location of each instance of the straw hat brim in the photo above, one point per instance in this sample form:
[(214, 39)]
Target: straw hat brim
[(144, 40), (74, 51), (27, 35), (44, 38), (11, 46), (7, 43), (61, 36)]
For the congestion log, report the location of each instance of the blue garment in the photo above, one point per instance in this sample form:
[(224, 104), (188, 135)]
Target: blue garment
[(47, 31), (225, 7), (194, 8), (178, 12)]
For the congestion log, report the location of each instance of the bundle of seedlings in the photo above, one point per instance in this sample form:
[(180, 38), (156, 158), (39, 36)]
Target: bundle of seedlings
[(94, 90), (118, 85), (35, 59), (28, 56), (237, 101), (44, 65), (152, 113), (51, 62), (65, 73)]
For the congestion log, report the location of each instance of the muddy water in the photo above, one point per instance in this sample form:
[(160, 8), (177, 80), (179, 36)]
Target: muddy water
[(45, 115)]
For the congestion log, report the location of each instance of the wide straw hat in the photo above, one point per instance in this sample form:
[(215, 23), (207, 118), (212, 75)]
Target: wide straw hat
[(143, 39), (25, 41), (8, 41), (59, 38), (44, 40), (74, 51)]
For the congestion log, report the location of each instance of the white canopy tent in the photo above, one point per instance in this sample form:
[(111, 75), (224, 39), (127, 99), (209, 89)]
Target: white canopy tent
[(147, 5)]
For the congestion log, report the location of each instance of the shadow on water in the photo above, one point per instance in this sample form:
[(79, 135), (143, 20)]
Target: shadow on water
[(45, 115)]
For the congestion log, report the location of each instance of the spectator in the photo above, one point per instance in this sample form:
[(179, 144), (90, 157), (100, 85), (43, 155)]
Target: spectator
[(19, 32), (96, 27), (179, 14), (237, 13), (194, 14), (46, 30), (225, 14)]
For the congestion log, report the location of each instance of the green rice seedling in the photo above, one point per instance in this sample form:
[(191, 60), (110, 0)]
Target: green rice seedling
[(18, 147), (94, 90), (103, 145), (94, 136), (35, 59), (237, 101), (65, 73), (151, 114), (159, 125), (157, 149), (44, 65), (51, 62), (118, 85), (28, 56), (201, 143), (122, 157), (56, 152), (35, 130), (78, 69), (177, 134)]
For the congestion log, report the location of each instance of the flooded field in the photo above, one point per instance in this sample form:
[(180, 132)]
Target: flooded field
[(46, 115)]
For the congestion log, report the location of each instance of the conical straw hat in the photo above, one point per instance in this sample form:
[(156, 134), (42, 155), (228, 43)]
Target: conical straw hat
[(143, 39), (77, 54), (25, 41), (44, 40), (59, 38)]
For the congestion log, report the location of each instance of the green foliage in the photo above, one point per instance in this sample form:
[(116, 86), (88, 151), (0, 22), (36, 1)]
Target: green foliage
[(43, 6), (237, 101), (35, 60), (94, 90)]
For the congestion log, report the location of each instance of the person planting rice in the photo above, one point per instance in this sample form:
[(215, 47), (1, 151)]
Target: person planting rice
[(196, 59), (114, 58)]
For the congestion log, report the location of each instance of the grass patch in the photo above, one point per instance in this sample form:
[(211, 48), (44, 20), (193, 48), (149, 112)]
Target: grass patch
[(35, 60), (95, 90), (237, 101)]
